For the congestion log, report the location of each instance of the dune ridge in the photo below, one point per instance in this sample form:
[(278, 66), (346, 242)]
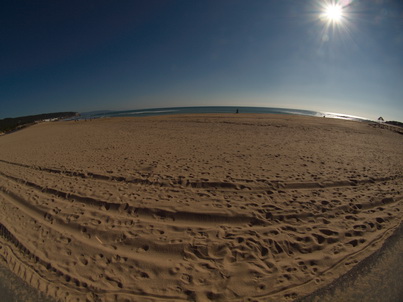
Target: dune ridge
[(196, 208)]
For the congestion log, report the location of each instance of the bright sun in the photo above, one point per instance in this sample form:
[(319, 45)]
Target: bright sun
[(333, 13)]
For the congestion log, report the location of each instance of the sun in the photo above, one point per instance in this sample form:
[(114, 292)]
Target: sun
[(333, 13), (336, 19)]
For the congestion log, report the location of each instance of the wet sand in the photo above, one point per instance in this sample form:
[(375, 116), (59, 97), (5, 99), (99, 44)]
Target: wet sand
[(200, 207)]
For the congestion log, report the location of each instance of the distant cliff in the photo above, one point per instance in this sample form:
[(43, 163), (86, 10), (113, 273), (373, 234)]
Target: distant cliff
[(16, 123)]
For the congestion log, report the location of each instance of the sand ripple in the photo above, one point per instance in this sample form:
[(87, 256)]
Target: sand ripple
[(139, 212)]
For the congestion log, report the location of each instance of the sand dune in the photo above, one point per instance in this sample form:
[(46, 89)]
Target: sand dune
[(196, 208)]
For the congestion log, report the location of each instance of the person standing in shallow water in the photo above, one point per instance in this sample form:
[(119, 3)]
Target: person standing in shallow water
[(237, 111)]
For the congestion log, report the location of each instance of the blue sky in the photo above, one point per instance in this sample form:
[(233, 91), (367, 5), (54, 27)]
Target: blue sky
[(96, 55)]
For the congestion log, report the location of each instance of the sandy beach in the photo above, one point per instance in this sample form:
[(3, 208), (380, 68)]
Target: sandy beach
[(230, 207)]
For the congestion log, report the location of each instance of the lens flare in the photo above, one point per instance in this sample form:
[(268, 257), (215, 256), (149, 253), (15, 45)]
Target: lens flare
[(333, 13)]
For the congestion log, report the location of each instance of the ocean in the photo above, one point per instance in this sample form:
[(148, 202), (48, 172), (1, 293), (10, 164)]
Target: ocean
[(211, 109)]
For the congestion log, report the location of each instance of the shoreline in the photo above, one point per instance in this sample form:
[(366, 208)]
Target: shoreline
[(218, 206)]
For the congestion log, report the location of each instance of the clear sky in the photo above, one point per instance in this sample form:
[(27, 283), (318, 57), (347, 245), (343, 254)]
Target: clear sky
[(95, 55)]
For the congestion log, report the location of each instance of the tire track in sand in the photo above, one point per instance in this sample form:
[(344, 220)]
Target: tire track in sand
[(261, 246)]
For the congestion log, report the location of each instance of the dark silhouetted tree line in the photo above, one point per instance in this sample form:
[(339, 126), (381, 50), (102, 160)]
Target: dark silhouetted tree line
[(15, 123), (394, 123)]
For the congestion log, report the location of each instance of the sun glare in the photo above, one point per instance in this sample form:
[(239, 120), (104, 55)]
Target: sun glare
[(336, 19), (333, 13)]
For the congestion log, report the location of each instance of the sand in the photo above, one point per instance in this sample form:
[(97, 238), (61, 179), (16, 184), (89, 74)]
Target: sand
[(14, 289), (196, 207), (378, 278)]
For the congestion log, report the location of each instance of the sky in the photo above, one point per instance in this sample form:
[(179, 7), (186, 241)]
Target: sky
[(120, 55)]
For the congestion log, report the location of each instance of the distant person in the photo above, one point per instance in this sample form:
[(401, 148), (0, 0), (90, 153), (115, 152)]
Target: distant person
[(237, 111)]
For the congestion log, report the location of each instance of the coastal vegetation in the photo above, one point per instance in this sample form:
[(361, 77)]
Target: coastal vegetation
[(395, 123), (16, 123)]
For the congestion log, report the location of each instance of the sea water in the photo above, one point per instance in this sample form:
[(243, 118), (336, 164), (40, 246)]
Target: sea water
[(210, 109)]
